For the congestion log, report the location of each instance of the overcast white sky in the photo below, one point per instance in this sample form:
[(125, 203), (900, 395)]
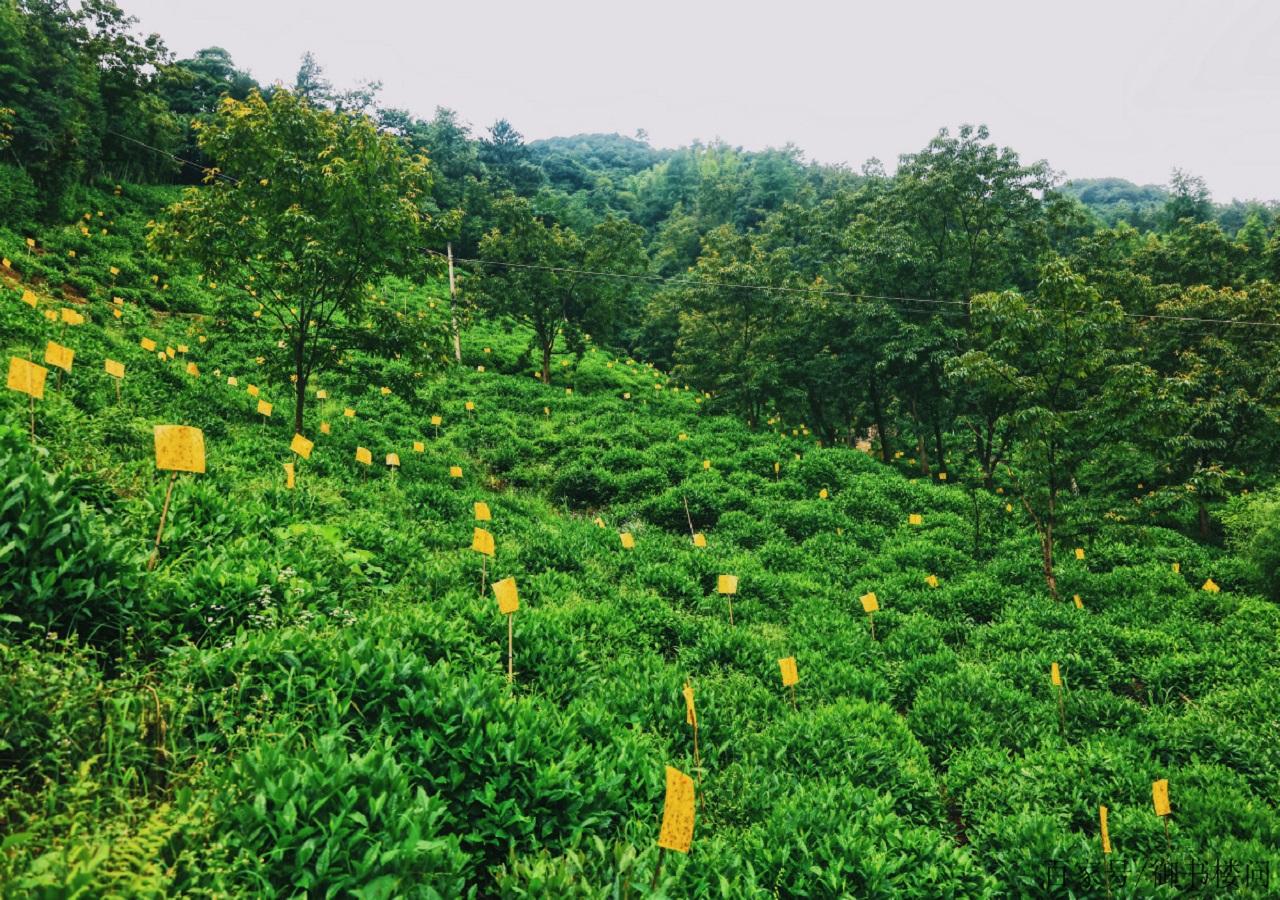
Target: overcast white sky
[(1129, 88)]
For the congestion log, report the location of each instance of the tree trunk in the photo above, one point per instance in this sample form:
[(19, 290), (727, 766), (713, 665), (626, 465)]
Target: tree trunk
[(300, 388), (937, 443), (877, 409), (1204, 521), (546, 363), (1046, 550)]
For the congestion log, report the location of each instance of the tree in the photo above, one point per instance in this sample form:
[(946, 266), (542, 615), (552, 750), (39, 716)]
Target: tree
[(1045, 361), (1188, 199), (321, 208), (508, 159)]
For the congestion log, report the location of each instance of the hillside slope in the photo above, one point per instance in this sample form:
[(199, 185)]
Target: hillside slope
[(308, 695)]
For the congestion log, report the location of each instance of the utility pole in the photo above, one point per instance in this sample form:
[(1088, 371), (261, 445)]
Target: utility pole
[(453, 307)]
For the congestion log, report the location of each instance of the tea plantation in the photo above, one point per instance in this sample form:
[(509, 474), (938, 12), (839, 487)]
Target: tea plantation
[(308, 694)]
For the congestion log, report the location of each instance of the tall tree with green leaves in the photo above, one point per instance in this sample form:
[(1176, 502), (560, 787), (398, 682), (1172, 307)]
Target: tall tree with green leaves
[(320, 207)]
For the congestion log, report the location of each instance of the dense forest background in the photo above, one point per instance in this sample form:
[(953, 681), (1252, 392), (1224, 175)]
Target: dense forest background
[(1093, 339)]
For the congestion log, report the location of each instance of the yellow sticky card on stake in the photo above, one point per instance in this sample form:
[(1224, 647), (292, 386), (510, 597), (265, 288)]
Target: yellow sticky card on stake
[(193, 370), (182, 348), (1160, 796), (690, 710), (393, 459), (931, 580), (699, 539), (364, 456), (1177, 568), (1106, 834), (264, 408), (507, 595), (626, 395), (170, 352), (915, 519), (823, 495), (148, 345), (26, 377), (436, 420), (677, 813), (57, 355), (301, 446), (727, 584), (322, 395), (288, 475), (29, 298), (482, 511), (455, 471), (869, 602), (1211, 586), (787, 666), (706, 464), (324, 428), (1078, 602), (71, 317), (232, 381), (252, 390), (384, 391), (628, 540), (942, 476), (1008, 507), (419, 447), (179, 448), (51, 315), (349, 413), (469, 406), (1055, 675), (1079, 553), (114, 369), (482, 541), (682, 436)]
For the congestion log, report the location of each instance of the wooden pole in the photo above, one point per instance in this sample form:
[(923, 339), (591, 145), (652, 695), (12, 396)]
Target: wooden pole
[(453, 308), (871, 617), (511, 671), (164, 512), (117, 390), (484, 572), (1106, 873), (688, 518), (730, 596), (657, 872), (793, 697)]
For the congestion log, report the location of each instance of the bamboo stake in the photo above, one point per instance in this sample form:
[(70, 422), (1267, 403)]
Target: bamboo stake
[(511, 672), (688, 517), (32, 398), (164, 512), (1062, 713), (657, 872)]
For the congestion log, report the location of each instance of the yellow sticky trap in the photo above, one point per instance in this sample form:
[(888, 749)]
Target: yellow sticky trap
[(488, 350), (869, 602), (915, 519), (1055, 675), (29, 298), (349, 413), (288, 475), (706, 464), (898, 454), (628, 540), (419, 447), (170, 352), (324, 428), (114, 369), (364, 456), (677, 813), (57, 355), (51, 315), (1079, 553), (469, 406), (690, 711), (179, 448), (777, 467), (507, 595), (699, 539), (232, 381), (148, 345), (823, 495), (301, 446), (1177, 568), (436, 420), (931, 580), (568, 390), (1106, 834), (787, 666), (599, 522), (71, 317), (942, 476), (727, 584), (482, 511), (31, 242), (1211, 586), (455, 471), (682, 436), (482, 541), (264, 408), (182, 348), (322, 395), (1160, 796), (546, 410), (202, 339), (26, 377), (117, 314), (479, 368), (384, 391), (193, 370), (1008, 507), (1078, 602), (252, 390), (393, 459), (160, 355)]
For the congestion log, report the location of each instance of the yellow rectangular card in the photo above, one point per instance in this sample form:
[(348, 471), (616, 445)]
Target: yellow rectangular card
[(233, 381), (288, 475), (1106, 835), (179, 448), (727, 584), (915, 519), (1055, 675), (364, 456), (435, 420), (27, 377), (349, 413), (470, 407), (628, 541), (419, 447), (677, 813), (1079, 553), (508, 596), (455, 471), (301, 446), (1160, 796), (324, 428), (57, 355), (788, 667), (482, 511), (869, 602), (264, 408), (29, 298), (252, 390), (71, 317), (148, 345), (114, 369), (182, 348), (322, 395), (699, 539), (690, 711), (193, 369), (482, 541), (393, 459)]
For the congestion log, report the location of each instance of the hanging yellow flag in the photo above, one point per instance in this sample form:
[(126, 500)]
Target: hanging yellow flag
[(324, 428), (628, 541), (148, 345), (727, 584), (482, 511), (479, 368), (57, 355), (469, 406), (1211, 586), (699, 539), (393, 459), (787, 666), (26, 377), (915, 519), (455, 471), (869, 602), (179, 448), (677, 813), (1078, 602), (29, 298), (482, 541), (288, 475), (71, 317), (690, 711), (349, 413), (193, 370), (507, 595), (1106, 834), (114, 369), (931, 580), (1160, 796), (1079, 553), (364, 456), (264, 408), (301, 446), (488, 350), (252, 390), (419, 447)]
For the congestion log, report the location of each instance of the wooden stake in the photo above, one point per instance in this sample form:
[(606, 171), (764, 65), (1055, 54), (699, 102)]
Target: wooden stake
[(164, 512), (657, 872), (1062, 713), (1106, 873), (871, 617), (730, 596), (793, 697), (688, 517), (484, 572), (117, 381), (511, 671)]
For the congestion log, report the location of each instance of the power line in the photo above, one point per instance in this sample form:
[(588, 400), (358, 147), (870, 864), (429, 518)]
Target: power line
[(178, 159)]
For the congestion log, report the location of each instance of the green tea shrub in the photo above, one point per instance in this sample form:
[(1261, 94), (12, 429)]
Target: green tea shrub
[(1253, 531)]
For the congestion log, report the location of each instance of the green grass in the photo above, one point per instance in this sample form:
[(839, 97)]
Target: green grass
[(308, 695)]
